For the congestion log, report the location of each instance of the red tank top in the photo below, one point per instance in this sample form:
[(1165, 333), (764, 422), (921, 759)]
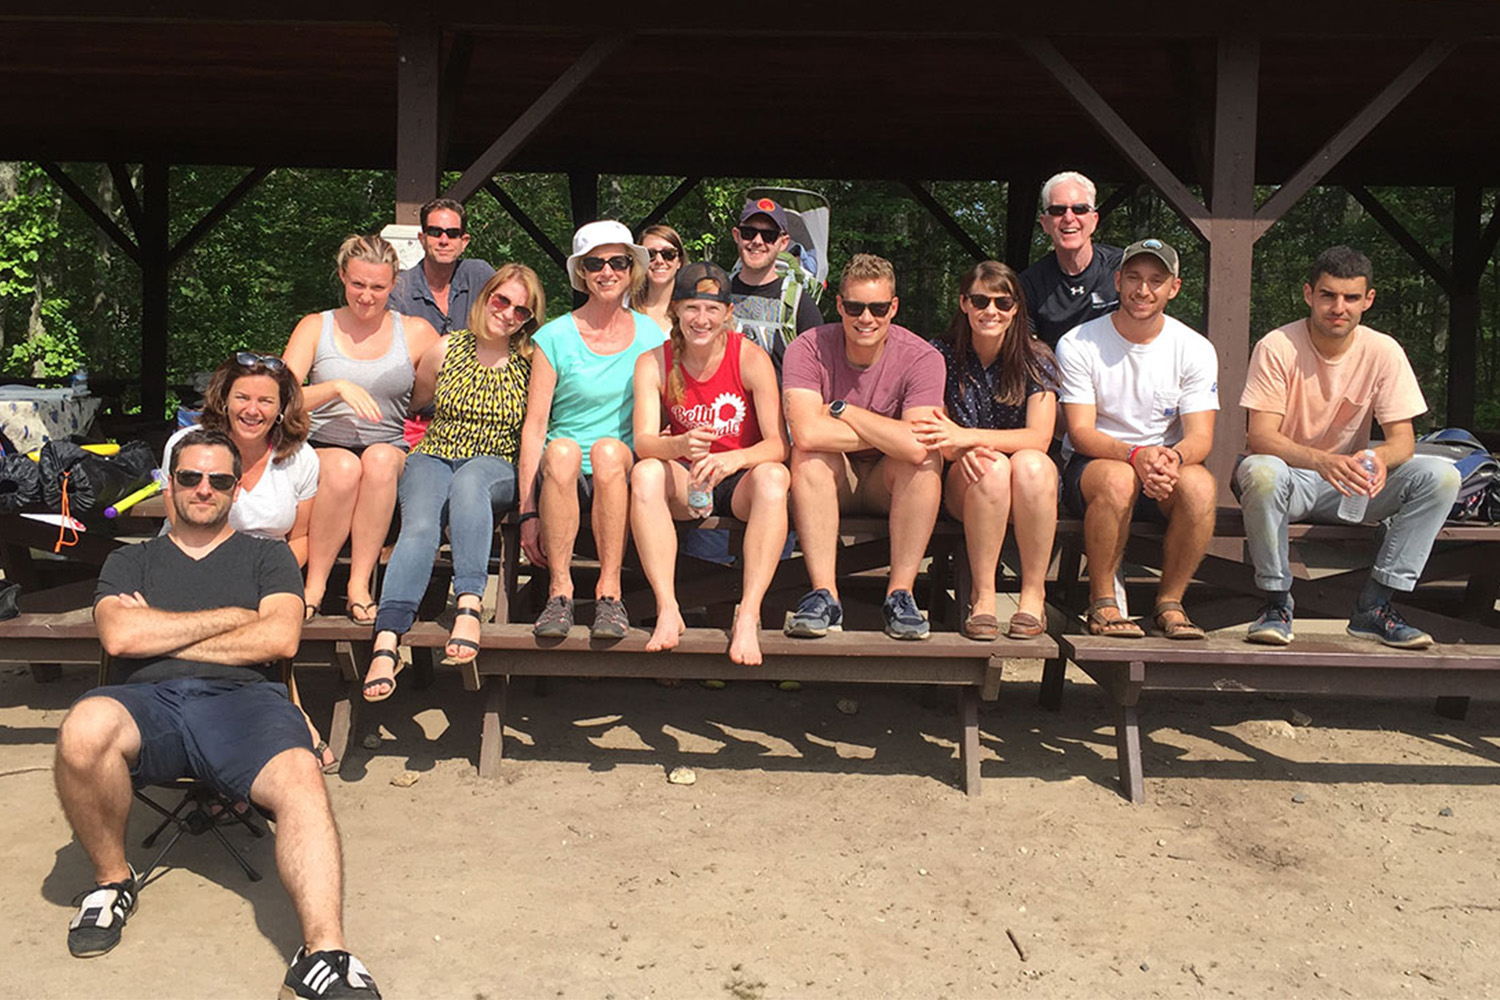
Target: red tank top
[(721, 402)]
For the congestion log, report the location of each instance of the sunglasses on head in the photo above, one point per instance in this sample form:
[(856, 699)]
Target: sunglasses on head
[(270, 362), (503, 302), (189, 479), (1004, 303), (1058, 211), (768, 236), (854, 310), (619, 262), (665, 253), (452, 232)]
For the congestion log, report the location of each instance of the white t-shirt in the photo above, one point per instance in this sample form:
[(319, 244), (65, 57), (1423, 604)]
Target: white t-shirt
[(1140, 391), (270, 509)]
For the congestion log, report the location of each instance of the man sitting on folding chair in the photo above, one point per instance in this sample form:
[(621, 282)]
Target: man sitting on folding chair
[(195, 620)]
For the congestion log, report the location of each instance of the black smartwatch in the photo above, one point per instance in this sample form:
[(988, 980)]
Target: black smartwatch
[(837, 407)]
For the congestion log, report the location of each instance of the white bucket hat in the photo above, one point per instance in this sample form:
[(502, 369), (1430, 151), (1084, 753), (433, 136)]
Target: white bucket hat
[(598, 234)]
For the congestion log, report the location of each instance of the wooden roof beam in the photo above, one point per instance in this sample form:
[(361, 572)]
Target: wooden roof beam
[(92, 210), (924, 198), (1353, 132), (534, 117), (668, 203), (1120, 135), (216, 214), (526, 222), (1403, 237)]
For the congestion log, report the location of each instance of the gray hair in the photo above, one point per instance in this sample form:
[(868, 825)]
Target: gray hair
[(1069, 177)]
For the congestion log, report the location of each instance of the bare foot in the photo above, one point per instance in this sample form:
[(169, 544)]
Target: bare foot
[(669, 629), (744, 641)]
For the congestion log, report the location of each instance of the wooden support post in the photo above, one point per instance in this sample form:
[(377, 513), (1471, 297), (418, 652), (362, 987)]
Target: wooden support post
[(968, 747), (455, 74), (1229, 278), (1463, 306), (492, 726), (156, 263), (418, 55), (1020, 219)]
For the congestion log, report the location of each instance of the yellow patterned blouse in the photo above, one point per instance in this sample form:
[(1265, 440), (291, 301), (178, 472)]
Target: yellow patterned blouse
[(477, 410)]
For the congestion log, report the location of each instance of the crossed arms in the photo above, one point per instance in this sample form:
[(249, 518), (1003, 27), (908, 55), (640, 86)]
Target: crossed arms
[(130, 627)]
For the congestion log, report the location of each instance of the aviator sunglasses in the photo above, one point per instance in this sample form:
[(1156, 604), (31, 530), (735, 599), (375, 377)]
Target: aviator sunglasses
[(270, 362), (1004, 303), (854, 310), (1058, 211), (189, 479), (452, 232), (668, 254), (619, 262), (503, 302)]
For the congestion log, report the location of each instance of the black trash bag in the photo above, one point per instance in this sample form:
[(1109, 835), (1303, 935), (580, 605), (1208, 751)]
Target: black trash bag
[(20, 485), (93, 481)]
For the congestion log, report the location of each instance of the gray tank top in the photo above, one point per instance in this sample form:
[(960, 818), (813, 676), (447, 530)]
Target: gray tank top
[(388, 379)]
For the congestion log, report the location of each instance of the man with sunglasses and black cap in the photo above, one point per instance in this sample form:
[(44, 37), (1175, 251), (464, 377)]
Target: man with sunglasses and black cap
[(1076, 281), (442, 287), (771, 306), (852, 392), (195, 621)]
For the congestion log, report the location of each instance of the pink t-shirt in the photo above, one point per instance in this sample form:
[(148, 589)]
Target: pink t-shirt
[(720, 401), (1328, 404), (910, 371)]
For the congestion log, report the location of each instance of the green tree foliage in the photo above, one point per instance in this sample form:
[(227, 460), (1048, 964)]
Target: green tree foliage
[(69, 297)]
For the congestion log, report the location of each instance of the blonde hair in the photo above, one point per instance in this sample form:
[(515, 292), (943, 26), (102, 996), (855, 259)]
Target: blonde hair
[(370, 249), (536, 301), (676, 382), (867, 267), (637, 274)]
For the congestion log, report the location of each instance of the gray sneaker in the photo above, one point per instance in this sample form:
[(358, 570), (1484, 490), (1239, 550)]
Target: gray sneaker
[(902, 619), (1383, 624), (555, 620), (816, 614), (1272, 627), (610, 619)]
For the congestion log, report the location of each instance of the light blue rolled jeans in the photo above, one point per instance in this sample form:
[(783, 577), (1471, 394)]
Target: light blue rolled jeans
[(465, 491), (1415, 502)]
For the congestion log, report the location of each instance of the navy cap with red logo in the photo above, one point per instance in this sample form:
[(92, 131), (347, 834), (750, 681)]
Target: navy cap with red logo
[(766, 207)]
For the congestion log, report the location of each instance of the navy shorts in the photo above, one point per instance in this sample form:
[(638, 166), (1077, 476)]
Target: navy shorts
[(222, 732), (1146, 509)]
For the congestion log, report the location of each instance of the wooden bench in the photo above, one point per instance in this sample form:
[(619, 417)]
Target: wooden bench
[(1124, 668), (945, 659)]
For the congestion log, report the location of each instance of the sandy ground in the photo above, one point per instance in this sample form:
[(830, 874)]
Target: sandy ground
[(821, 854)]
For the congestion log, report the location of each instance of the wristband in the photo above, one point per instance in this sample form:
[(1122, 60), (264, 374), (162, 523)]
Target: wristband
[(1130, 458), (525, 516), (1180, 460)]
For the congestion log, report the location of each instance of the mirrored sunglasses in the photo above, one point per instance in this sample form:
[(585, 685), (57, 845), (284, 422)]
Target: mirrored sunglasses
[(503, 302)]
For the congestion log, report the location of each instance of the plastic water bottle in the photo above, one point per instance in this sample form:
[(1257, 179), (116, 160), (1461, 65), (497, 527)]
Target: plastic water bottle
[(700, 498), (80, 383), (1352, 507)]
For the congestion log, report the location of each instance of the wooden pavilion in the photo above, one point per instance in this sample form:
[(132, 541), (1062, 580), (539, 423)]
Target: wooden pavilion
[(1203, 102)]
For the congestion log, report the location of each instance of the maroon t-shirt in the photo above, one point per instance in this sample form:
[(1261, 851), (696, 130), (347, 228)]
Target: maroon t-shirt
[(910, 371)]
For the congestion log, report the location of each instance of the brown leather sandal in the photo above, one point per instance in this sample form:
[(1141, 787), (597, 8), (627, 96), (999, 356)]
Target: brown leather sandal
[(1184, 629), (1115, 628)]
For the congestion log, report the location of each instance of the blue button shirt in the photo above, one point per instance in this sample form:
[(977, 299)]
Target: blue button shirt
[(412, 296), (971, 401)]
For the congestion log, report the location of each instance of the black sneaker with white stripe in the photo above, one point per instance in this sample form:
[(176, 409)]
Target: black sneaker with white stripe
[(328, 974), (101, 917)]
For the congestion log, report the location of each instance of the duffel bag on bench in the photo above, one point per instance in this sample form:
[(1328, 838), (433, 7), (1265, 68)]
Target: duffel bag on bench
[(1479, 492), (91, 482), (20, 485)]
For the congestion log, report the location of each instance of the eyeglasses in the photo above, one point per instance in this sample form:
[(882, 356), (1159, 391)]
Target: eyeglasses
[(768, 236), (666, 253), (619, 262), (452, 232), (270, 362), (1004, 303), (854, 310), (503, 302), (189, 479), (1058, 211)]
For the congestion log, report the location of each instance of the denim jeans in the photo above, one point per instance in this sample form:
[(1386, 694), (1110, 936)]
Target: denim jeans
[(465, 491), (1415, 502)]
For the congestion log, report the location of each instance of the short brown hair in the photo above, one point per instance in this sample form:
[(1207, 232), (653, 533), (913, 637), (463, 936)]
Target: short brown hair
[(867, 267)]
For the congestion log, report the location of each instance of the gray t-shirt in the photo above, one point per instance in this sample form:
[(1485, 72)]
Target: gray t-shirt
[(412, 296)]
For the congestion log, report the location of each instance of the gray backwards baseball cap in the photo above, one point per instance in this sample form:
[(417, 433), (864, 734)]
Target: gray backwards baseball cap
[(1159, 249)]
